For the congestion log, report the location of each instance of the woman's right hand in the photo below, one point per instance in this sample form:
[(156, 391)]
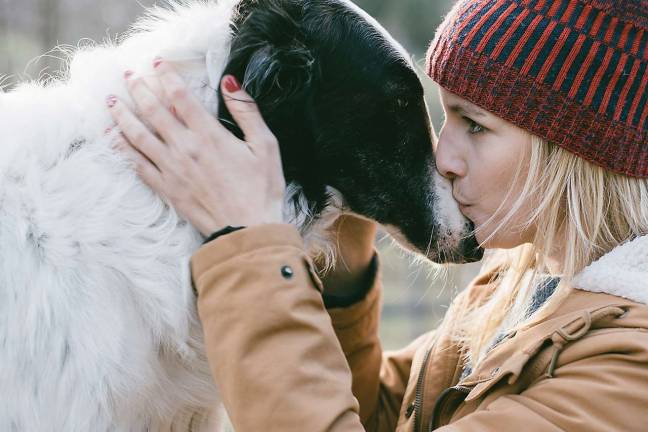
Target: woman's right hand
[(190, 159), (355, 241)]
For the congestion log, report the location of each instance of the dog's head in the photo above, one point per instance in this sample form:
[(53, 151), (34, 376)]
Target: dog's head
[(348, 110)]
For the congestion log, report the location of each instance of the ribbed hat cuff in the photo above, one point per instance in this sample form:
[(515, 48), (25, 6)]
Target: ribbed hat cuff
[(537, 108)]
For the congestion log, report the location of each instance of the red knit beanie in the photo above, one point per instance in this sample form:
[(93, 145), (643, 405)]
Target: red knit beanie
[(573, 72)]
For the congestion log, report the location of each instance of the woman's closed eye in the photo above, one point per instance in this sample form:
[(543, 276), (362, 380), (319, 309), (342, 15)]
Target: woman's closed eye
[(473, 126)]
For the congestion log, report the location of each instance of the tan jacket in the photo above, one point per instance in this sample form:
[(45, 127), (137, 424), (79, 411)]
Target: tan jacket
[(284, 363)]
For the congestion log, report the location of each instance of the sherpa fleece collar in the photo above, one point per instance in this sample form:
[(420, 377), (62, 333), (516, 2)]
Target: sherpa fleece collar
[(622, 272)]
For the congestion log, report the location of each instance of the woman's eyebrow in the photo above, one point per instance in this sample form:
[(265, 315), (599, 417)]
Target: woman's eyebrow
[(467, 109)]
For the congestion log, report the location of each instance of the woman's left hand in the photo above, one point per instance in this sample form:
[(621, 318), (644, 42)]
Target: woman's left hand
[(208, 175)]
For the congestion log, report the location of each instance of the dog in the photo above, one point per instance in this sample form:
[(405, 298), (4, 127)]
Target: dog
[(98, 326)]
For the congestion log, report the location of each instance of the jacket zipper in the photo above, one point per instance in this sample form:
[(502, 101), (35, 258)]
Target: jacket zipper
[(418, 399), (440, 403)]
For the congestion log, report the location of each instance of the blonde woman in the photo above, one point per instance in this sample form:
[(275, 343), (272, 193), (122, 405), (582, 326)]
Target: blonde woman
[(546, 143)]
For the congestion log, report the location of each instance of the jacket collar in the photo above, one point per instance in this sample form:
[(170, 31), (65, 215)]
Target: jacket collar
[(580, 313), (622, 272)]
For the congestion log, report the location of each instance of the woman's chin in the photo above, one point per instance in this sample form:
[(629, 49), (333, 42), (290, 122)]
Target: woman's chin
[(498, 243), (487, 240), (484, 242)]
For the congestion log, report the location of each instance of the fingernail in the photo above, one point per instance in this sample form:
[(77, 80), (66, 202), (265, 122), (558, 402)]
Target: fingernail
[(157, 61), (128, 74), (231, 84), (111, 101), (108, 130)]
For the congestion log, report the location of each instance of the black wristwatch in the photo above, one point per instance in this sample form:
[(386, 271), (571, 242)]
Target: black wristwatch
[(363, 288), (221, 232)]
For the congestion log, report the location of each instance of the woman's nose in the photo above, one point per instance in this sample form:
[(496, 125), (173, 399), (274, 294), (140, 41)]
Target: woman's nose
[(449, 160)]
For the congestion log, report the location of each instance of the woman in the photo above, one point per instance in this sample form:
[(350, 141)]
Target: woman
[(546, 143)]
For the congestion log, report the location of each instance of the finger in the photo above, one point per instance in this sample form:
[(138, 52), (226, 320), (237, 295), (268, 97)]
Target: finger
[(154, 111), (144, 167), (136, 133), (154, 84), (246, 113), (187, 107)]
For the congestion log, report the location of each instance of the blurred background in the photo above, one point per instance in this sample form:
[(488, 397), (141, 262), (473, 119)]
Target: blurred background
[(416, 293)]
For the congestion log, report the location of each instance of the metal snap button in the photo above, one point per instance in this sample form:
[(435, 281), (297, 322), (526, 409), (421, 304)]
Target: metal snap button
[(287, 272)]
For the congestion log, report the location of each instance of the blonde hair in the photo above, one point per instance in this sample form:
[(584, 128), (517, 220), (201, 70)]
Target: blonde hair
[(584, 208)]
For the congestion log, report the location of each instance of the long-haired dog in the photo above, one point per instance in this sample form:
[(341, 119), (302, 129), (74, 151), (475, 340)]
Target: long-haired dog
[(98, 327)]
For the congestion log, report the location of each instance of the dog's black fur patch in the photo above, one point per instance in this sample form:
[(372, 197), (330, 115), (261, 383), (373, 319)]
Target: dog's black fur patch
[(347, 109)]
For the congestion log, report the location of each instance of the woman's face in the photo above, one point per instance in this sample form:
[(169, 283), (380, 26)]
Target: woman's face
[(480, 153)]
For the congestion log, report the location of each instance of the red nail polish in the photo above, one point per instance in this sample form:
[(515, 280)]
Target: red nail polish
[(111, 101), (157, 61), (231, 84), (128, 74)]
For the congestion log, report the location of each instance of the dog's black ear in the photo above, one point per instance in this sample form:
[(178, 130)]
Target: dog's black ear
[(269, 52)]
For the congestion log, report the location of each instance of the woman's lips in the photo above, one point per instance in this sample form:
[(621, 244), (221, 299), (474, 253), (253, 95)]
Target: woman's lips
[(463, 207), (460, 200), (465, 210)]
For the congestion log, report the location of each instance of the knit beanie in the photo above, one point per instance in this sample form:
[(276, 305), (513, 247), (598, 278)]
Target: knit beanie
[(573, 72)]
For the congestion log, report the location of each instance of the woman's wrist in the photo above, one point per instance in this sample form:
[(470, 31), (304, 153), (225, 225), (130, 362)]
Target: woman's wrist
[(221, 232), (354, 238), (351, 292)]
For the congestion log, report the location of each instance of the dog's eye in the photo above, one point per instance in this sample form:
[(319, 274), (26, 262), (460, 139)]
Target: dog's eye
[(402, 103)]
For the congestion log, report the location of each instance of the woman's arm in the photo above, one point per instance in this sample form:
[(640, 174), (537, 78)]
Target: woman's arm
[(270, 343), (209, 176), (354, 272)]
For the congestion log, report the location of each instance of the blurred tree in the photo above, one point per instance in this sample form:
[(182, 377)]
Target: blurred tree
[(31, 29), (49, 29), (412, 22)]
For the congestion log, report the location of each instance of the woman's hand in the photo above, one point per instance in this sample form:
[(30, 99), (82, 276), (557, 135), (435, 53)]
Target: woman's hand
[(208, 175)]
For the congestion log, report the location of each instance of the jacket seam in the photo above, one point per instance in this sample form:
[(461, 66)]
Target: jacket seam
[(208, 269), (341, 324)]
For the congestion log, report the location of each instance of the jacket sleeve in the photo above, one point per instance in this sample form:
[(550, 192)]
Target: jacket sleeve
[(379, 379), (600, 385), (270, 344)]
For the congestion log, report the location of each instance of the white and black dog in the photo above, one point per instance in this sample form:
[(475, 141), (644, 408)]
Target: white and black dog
[(98, 327)]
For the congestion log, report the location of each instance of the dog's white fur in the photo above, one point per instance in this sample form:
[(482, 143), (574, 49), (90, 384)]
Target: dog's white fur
[(98, 327)]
